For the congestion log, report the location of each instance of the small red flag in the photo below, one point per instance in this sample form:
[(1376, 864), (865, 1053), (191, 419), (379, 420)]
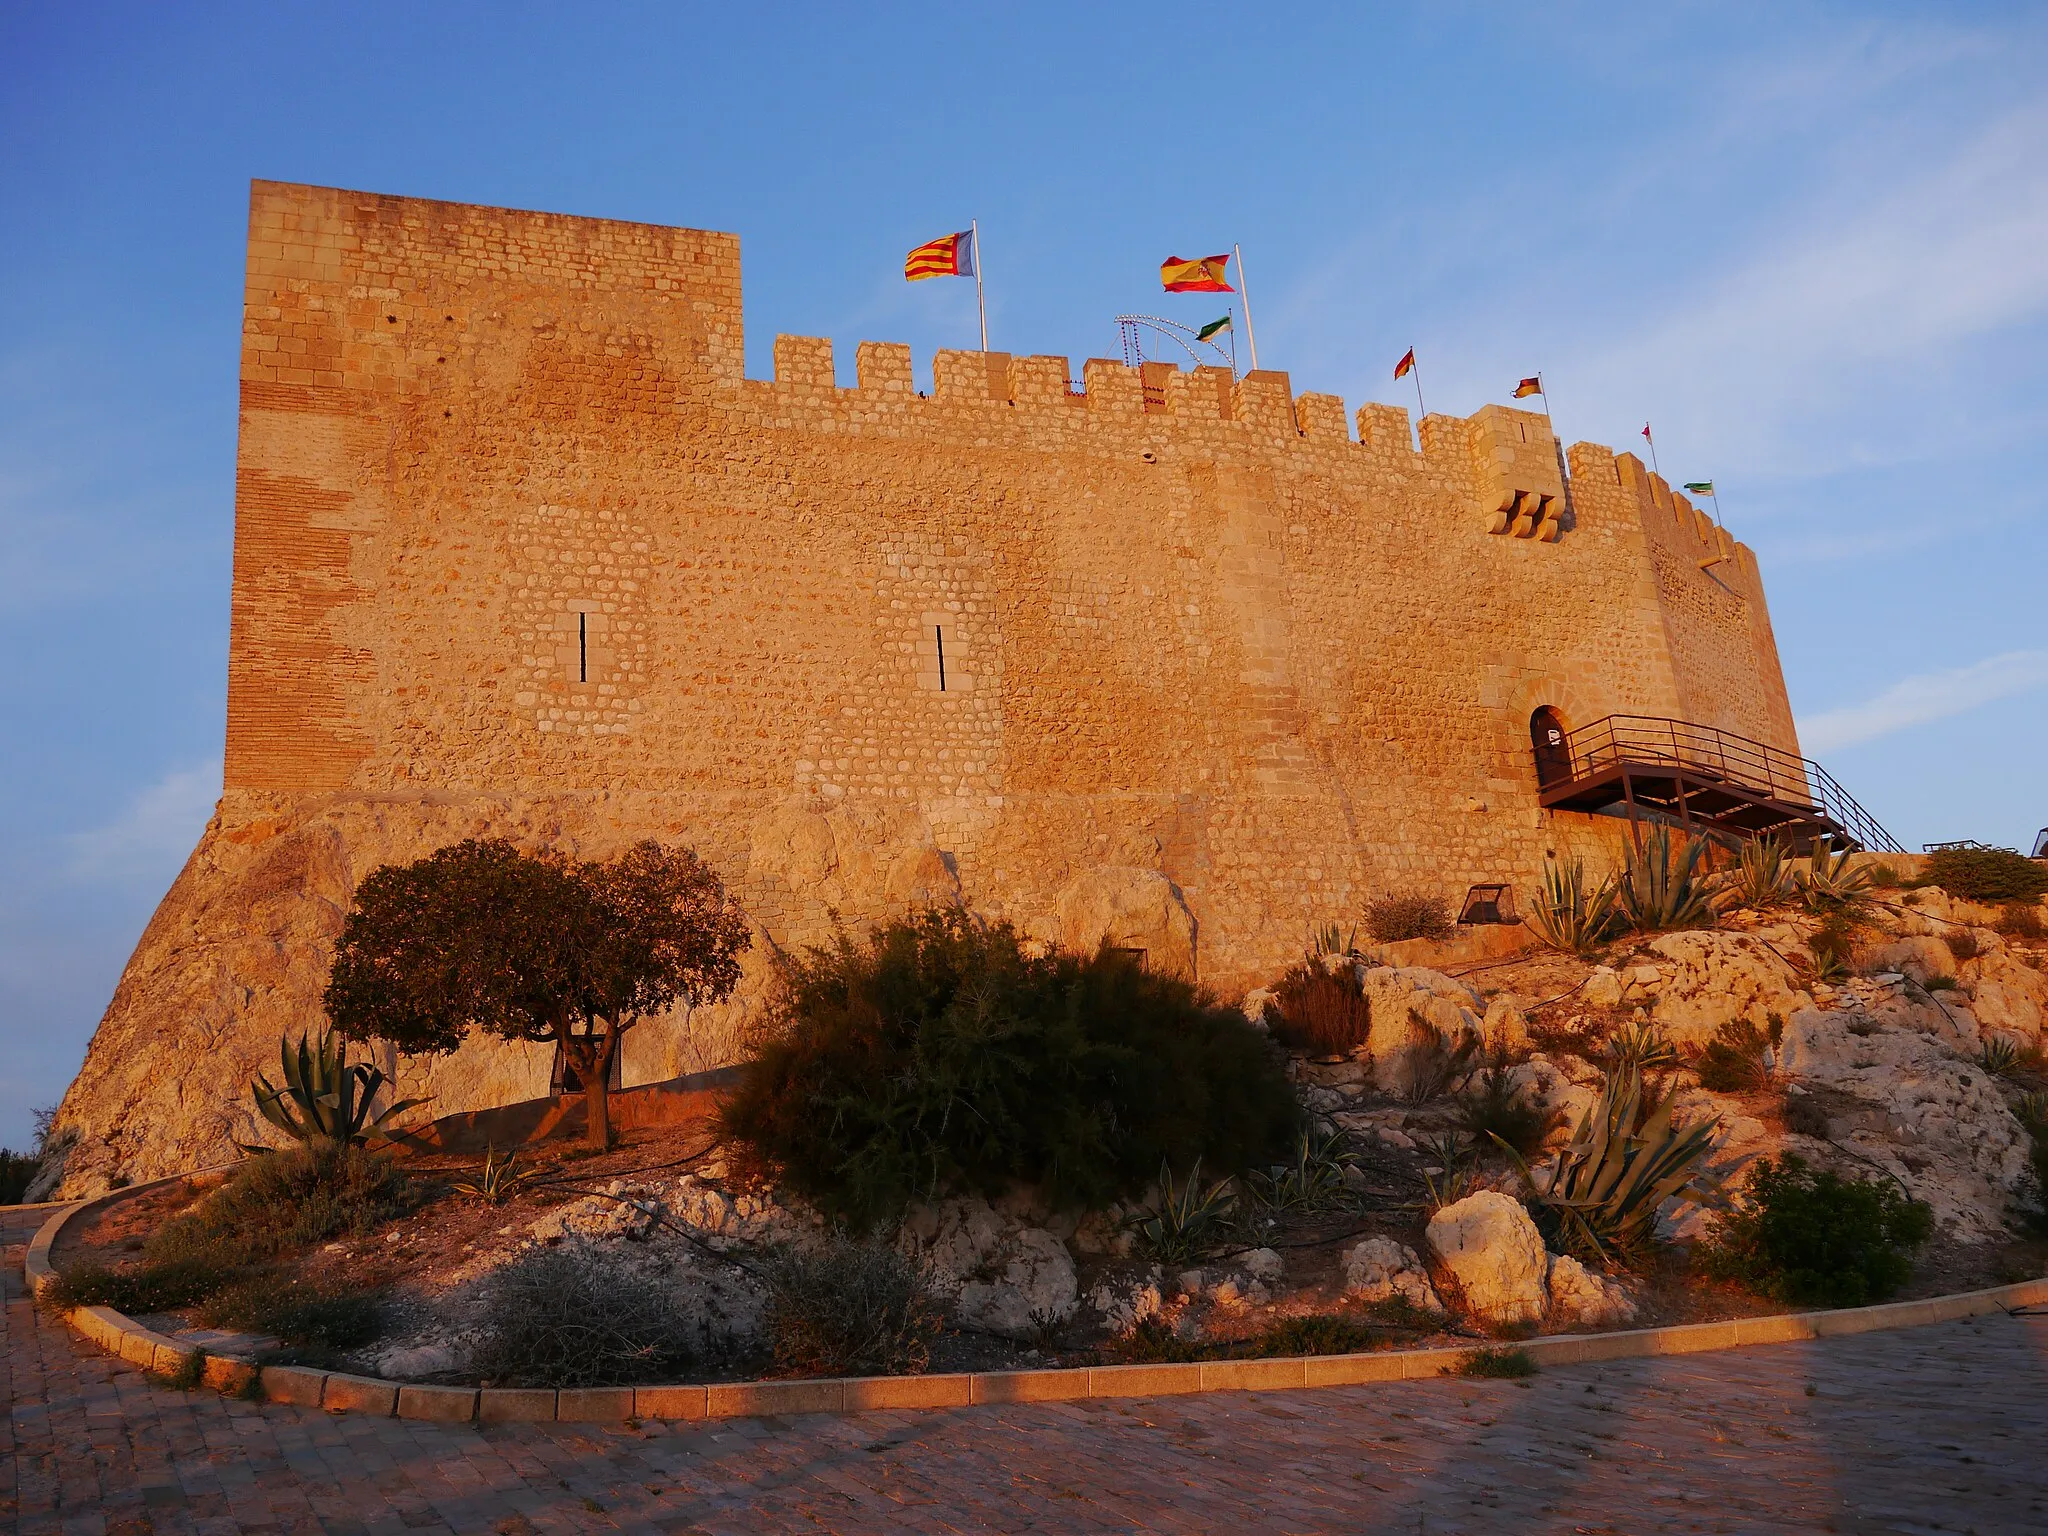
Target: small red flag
[(1402, 368), (1646, 433)]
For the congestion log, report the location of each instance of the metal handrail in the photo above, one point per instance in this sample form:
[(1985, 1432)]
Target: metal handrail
[(1648, 741)]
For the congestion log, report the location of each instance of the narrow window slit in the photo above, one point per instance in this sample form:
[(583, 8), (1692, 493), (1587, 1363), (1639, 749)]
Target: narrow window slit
[(939, 632), (582, 647)]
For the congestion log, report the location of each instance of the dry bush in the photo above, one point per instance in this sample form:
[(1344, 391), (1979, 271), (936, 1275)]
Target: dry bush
[(1963, 943), (1408, 915), (582, 1317), (1320, 1009), (850, 1308), (2021, 920)]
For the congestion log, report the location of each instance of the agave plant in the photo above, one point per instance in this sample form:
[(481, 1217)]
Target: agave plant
[(325, 1097), (1828, 883), (1642, 1046), (500, 1179), (1312, 1180), (1762, 876), (1662, 889), (1448, 1176), (1185, 1221), (1568, 916), (1605, 1187), (1332, 941)]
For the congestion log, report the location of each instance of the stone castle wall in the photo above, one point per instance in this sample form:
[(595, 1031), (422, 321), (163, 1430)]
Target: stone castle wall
[(518, 545)]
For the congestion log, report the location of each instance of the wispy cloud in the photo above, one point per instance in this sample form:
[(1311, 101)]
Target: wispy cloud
[(1926, 697), (150, 839)]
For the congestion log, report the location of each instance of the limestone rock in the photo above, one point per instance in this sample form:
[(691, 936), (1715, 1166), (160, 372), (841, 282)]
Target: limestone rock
[(1922, 957), (1129, 908), (1414, 1008), (1578, 1295), (1931, 1118), (795, 845), (1004, 1276), (1380, 1269), (1262, 1264), (1713, 976), (1506, 1027), (2006, 994), (1122, 1305), (922, 877), (1603, 988), (1489, 1243), (622, 1211)]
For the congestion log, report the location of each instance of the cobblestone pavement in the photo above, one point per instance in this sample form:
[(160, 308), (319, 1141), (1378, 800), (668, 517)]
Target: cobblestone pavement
[(1929, 1429)]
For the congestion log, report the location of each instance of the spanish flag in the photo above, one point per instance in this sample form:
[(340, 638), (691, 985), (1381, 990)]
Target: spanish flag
[(1407, 364), (1209, 274), (947, 256), (1528, 387)]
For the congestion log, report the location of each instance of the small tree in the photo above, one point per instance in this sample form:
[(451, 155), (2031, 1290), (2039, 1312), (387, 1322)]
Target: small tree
[(534, 947)]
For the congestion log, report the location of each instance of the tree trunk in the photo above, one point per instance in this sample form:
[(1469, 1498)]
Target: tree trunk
[(597, 1097)]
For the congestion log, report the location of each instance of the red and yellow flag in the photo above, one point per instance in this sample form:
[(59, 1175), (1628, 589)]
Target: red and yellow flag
[(947, 256), (1407, 363), (1209, 274), (1528, 387)]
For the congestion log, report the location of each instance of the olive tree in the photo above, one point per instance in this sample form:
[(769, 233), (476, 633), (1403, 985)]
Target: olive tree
[(539, 947)]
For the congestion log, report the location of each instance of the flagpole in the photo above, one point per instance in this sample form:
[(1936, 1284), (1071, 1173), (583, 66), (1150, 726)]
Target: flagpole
[(1416, 369), (980, 303), (1244, 291), (1654, 467), (1545, 393)]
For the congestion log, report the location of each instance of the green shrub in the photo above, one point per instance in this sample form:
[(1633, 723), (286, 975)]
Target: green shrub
[(850, 1308), (1328, 1333), (578, 1316), (2022, 920), (143, 1289), (1987, 874), (939, 1055), (296, 1313), (1153, 1342), (17, 1171), (1408, 915), (1499, 1362), (282, 1202), (1803, 1234), (1496, 1106), (1320, 1009)]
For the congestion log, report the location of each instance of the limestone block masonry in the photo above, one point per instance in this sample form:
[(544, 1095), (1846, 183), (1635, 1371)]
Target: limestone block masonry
[(519, 548)]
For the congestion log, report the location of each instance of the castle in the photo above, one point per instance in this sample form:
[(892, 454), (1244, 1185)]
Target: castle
[(1164, 658)]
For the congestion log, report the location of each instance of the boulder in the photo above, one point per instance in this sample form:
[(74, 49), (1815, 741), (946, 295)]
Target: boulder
[(1922, 957), (1580, 1296), (1129, 908), (1414, 1009), (1123, 1304), (2005, 993), (1931, 1118), (1506, 1027), (1004, 1276), (1380, 1269), (1490, 1245), (1713, 976)]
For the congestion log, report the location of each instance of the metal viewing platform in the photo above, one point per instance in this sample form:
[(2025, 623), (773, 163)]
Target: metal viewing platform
[(1702, 778)]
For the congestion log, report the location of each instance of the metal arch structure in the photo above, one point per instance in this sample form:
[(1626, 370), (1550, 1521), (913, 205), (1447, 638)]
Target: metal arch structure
[(1131, 331)]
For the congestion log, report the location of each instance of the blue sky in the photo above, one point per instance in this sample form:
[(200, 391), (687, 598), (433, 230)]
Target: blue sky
[(1809, 242)]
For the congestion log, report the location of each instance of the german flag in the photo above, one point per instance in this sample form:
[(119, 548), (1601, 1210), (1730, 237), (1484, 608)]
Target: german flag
[(1528, 387), (1208, 274), (947, 256), (1407, 364)]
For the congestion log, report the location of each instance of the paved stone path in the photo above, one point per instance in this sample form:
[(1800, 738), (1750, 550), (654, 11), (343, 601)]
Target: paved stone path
[(1929, 1429)]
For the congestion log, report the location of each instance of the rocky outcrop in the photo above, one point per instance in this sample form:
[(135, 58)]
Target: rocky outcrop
[(2005, 993), (1904, 1102), (1494, 1251), (1415, 1013), (1708, 977), (1380, 1269), (1129, 908), (1003, 1275)]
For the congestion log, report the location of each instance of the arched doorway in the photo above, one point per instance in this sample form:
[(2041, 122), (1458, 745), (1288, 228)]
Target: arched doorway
[(1553, 757)]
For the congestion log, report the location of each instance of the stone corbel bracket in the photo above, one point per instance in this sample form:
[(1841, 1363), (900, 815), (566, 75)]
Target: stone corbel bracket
[(1521, 487)]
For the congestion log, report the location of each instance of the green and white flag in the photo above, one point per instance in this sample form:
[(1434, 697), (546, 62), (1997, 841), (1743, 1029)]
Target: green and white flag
[(1213, 329), (1700, 487)]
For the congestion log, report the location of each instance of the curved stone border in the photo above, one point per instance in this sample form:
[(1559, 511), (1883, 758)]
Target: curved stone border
[(339, 1391)]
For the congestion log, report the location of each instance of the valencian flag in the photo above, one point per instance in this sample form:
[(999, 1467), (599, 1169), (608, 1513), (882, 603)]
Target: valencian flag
[(1213, 329), (1528, 387), (1407, 364), (1209, 274), (947, 256), (1700, 487)]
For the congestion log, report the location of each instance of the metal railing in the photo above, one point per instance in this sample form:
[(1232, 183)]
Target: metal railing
[(1701, 751)]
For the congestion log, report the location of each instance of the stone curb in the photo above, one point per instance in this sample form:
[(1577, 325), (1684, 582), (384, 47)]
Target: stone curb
[(340, 1392)]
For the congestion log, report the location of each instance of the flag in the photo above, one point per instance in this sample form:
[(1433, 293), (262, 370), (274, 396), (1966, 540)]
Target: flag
[(1700, 487), (1406, 365), (1209, 274), (1528, 387), (1646, 433), (947, 256), (1213, 329)]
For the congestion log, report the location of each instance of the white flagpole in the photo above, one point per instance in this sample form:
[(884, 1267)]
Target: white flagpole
[(980, 303), (1244, 291)]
